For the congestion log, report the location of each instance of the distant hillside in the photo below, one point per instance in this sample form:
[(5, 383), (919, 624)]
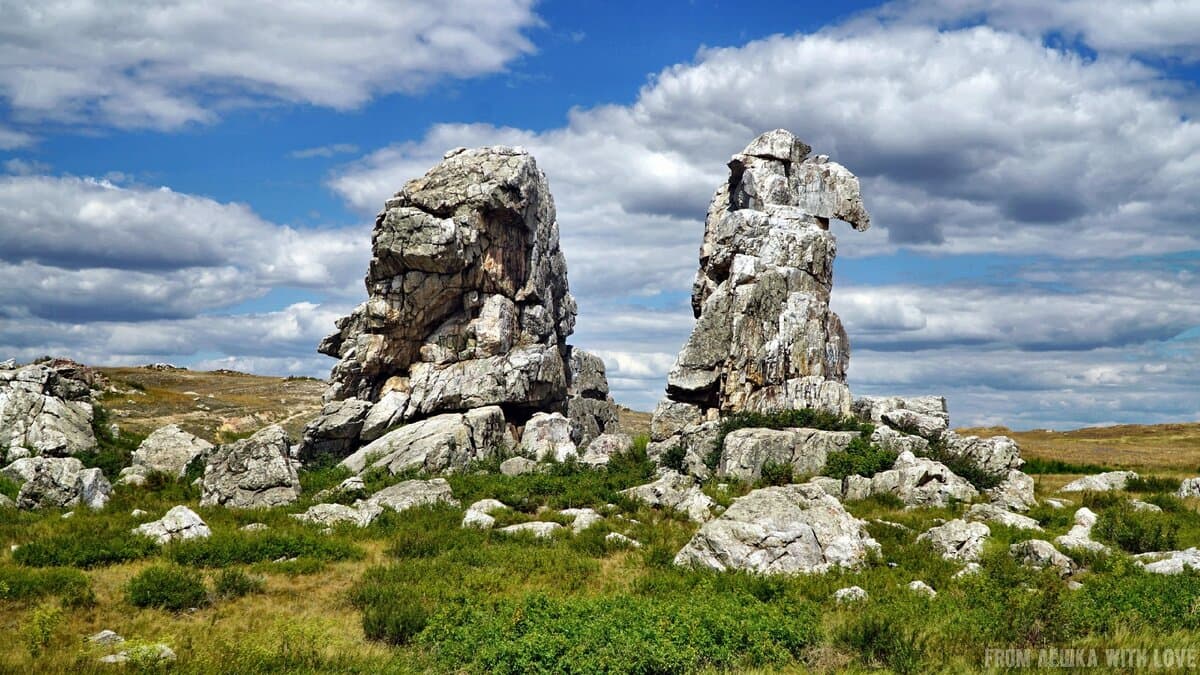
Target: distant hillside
[(1153, 446)]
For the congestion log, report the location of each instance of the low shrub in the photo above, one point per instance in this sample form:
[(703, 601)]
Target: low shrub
[(861, 457), (113, 452), (9, 487), (1137, 531), (620, 634), (235, 583), (1098, 501), (241, 548), (71, 586), (396, 620), (167, 587), (1037, 465), (776, 473), (39, 628), (962, 466), (674, 457), (885, 641), (97, 544), (1143, 484)]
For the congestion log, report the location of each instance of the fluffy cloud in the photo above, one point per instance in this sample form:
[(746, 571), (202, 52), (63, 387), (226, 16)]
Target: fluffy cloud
[(974, 141), (165, 63)]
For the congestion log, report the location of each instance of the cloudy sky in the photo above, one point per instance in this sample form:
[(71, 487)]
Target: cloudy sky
[(194, 182)]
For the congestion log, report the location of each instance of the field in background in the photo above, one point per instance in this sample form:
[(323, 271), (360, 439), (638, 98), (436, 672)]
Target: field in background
[(1170, 448)]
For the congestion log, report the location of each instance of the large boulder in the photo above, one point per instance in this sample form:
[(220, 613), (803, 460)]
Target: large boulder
[(57, 482), (1189, 487), (548, 436), (1015, 492), (746, 451), (335, 432), (695, 442), (996, 455), (904, 413), (920, 481), (781, 530), (46, 409), (1170, 562), (167, 450), (1100, 482), (673, 490), (178, 524), (589, 407), (1041, 554), (990, 513), (255, 472), (603, 447), (1080, 534), (765, 337), (412, 493), (957, 539), (442, 443)]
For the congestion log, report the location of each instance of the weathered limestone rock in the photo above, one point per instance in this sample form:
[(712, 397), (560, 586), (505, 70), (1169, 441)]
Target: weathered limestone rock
[(335, 432), (1041, 554), (747, 450), (921, 588), (582, 519), (255, 472), (970, 569), (1170, 562), (1015, 493), (920, 481), (479, 514), (849, 594), (878, 410), (1101, 482), (6, 503), (168, 450), (958, 539), (1190, 487), (604, 446), (1139, 505), (925, 426), (618, 539), (411, 493), (516, 466), (781, 530), (990, 513), (448, 442), (765, 338), (105, 638), (539, 529), (673, 490), (179, 523), (1080, 534), (697, 441), (589, 407), (996, 455), (46, 408), (57, 482), (361, 514), (548, 435), (890, 439)]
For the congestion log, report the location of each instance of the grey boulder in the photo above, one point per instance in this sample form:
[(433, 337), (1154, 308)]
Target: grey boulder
[(958, 539), (178, 524), (255, 472), (442, 443)]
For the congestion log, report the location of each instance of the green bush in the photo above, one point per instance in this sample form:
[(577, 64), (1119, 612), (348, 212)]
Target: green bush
[(9, 487), (1130, 598), (1037, 465), (93, 545), (861, 457), (1152, 484), (234, 583), (241, 548), (39, 628), (962, 466), (1098, 501), (167, 587), (112, 452), (776, 473), (620, 634), (72, 586), (886, 641), (396, 620), (674, 457), (1137, 531)]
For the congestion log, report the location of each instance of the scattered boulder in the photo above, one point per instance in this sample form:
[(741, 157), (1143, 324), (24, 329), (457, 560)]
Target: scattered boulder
[(873, 408), (850, 594), (1100, 482), (921, 588), (1056, 503), (548, 436), (46, 408), (178, 524), (479, 514), (410, 493), (618, 539), (920, 481), (970, 569), (517, 466), (254, 527), (57, 482), (746, 451), (781, 530), (1190, 487), (997, 455), (255, 472), (990, 513), (1170, 562), (958, 539), (361, 514), (105, 638), (1015, 493), (918, 424), (677, 491), (896, 441), (167, 450), (1080, 534), (1139, 505), (142, 654), (603, 447), (442, 443), (1040, 554), (539, 529), (582, 519)]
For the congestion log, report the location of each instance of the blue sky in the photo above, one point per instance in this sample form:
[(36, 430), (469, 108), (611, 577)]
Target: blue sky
[(194, 182)]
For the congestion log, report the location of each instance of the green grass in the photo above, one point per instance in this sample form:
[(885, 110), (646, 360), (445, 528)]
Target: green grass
[(112, 453), (93, 544), (167, 587), (22, 584), (225, 548), (1151, 484), (1038, 465)]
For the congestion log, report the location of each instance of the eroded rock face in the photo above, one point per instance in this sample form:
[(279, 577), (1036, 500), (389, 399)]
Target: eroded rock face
[(958, 539), (45, 408), (168, 450), (676, 491), (746, 451), (1015, 492), (442, 443), (57, 482), (781, 530), (920, 481), (765, 338), (255, 472), (468, 307), (1040, 554), (412, 493)]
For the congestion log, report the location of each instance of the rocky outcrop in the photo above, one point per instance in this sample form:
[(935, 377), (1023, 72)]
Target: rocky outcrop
[(479, 514), (1080, 534), (412, 493), (990, 513), (957, 539), (46, 409), (1040, 554), (178, 524), (920, 481), (361, 514), (168, 450), (468, 307), (603, 447), (548, 436), (442, 443), (57, 482), (925, 416), (746, 451), (672, 490), (765, 338), (781, 530), (1100, 482), (255, 472), (1170, 562), (1014, 493), (1189, 487), (996, 455)]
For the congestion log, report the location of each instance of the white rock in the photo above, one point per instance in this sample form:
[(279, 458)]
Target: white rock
[(746, 451), (447, 442), (1170, 562), (1015, 493), (138, 513), (179, 523), (618, 539), (1139, 505), (1056, 503), (167, 450), (255, 472), (1101, 482), (1189, 487), (141, 654), (1080, 534), (254, 527), (970, 569), (410, 493), (517, 466), (539, 529), (675, 491), (105, 637), (921, 588), (582, 519), (479, 516), (849, 594), (1041, 554), (604, 446), (920, 481), (548, 435), (957, 539), (990, 513), (361, 514)]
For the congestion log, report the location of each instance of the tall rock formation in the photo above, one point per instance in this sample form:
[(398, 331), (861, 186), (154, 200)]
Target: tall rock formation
[(765, 338), (468, 307), (46, 409)]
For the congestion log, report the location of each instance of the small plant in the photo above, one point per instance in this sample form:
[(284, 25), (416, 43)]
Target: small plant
[(395, 620), (1152, 484), (674, 457), (776, 473), (885, 641), (861, 457), (234, 583), (167, 587), (39, 628), (113, 452), (1137, 531), (72, 587), (9, 487)]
